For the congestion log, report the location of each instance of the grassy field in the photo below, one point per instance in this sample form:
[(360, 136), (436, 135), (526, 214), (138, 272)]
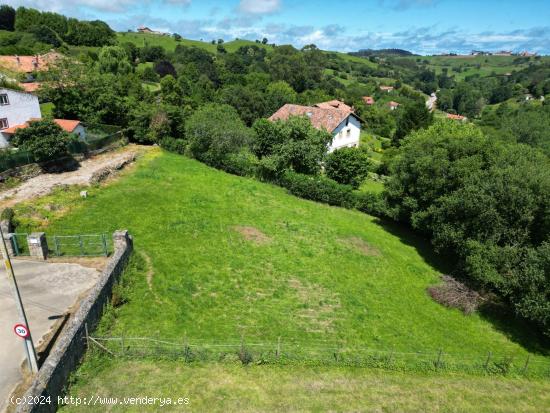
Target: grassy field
[(169, 43), (221, 259), (229, 388), (233, 257)]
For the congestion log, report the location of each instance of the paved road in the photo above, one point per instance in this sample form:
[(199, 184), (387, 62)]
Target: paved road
[(47, 289)]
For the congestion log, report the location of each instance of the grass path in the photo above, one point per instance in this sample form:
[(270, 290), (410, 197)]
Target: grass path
[(226, 388)]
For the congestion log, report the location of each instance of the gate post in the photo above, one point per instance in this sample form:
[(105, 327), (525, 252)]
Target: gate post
[(38, 246)]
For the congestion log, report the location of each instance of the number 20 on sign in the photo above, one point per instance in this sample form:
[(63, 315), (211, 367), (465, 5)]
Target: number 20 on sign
[(21, 330)]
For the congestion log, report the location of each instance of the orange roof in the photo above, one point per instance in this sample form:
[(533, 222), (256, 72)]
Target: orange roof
[(30, 87), (455, 117), (328, 119), (334, 104), (369, 100), (393, 104), (65, 124), (27, 64)]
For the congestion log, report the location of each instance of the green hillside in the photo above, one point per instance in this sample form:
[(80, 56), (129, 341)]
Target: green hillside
[(233, 258), (169, 43)]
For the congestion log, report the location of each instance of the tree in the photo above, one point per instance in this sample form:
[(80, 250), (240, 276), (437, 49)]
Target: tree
[(483, 203), (349, 166), (277, 94), (113, 59), (292, 144), (411, 118), (7, 18), (264, 40), (165, 68), (43, 139), (214, 132)]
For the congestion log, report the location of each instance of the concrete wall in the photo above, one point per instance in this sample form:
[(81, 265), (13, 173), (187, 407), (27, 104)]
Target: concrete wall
[(70, 346), (347, 134)]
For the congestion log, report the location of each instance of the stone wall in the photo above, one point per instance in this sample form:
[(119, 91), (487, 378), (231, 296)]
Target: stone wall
[(70, 346)]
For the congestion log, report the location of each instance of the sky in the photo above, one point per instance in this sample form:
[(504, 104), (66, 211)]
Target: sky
[(421, 26)]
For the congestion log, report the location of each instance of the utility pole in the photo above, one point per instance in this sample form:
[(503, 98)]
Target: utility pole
[(29, 346)]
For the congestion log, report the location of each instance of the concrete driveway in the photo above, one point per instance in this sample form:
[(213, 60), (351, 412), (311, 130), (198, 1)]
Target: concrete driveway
[(48, 290)]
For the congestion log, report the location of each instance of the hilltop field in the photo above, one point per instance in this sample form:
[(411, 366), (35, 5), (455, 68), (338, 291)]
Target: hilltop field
[(221, 259)]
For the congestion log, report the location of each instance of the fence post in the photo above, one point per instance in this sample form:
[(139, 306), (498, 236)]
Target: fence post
[(81, 245), (488, 360), (526, 364), (438, 363), (15, 245), (87, 337), (122, 344), (104, 241), (56, 244)]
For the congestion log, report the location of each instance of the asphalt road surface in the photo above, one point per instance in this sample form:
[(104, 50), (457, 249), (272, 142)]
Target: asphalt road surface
[(48, 290)]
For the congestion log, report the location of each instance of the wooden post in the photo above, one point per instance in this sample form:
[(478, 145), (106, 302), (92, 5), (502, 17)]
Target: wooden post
[(488, 360), (87, 337), (438, 362), (526, 364), (122, 344)]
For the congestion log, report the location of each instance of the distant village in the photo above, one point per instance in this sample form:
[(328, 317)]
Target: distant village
[(499, 53)]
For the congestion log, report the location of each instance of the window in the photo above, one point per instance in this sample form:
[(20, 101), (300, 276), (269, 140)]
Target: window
[(4, 123), (4, 99), (348, 132)]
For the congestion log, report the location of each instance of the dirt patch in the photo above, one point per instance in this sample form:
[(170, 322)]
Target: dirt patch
[(91, 171), (361, 246), (98, 263), (253, 234), (453, 293), (317, 308)]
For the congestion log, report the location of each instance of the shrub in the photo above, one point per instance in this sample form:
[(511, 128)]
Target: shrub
[(173, 145), (348, 166), (243, 163), (7, 215), (43, 139), (318, 188), (214, 132), (371, 203)]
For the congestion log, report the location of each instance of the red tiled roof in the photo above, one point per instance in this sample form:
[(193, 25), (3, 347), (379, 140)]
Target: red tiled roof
[(455, 117), (30, 87), (328, 119), (27, 64), (334, 104), (65, 124), (369, 100)]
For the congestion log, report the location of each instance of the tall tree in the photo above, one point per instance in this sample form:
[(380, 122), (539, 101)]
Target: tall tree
[(7, 18)]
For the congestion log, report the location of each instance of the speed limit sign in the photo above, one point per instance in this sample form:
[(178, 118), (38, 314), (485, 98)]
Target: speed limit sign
[(21, 330)]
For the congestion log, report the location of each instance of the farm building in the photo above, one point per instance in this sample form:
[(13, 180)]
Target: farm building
[(334, 116)]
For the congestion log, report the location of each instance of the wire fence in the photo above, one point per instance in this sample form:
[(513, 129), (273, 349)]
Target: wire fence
[(92, 245), (95, 140), (318, 354)]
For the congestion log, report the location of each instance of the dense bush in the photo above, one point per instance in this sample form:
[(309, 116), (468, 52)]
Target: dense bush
[(318, 188), (349, 166), (485, 204), (43, 139), (214, 132), (294, 144)]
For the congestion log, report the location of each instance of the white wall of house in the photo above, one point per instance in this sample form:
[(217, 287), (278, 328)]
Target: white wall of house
[(346, 135), (80, 131), (20, 108)]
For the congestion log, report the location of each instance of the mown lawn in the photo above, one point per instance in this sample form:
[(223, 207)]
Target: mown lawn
[(229, 388), (234, 258)]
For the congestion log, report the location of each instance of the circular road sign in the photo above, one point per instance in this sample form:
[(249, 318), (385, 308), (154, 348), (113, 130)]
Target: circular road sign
[(21, 330)]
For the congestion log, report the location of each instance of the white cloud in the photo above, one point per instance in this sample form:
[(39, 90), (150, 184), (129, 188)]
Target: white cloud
[(259, 6)]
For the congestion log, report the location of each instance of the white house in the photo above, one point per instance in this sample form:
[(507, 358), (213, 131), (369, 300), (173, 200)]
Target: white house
[(333, 116), (16, 108)]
